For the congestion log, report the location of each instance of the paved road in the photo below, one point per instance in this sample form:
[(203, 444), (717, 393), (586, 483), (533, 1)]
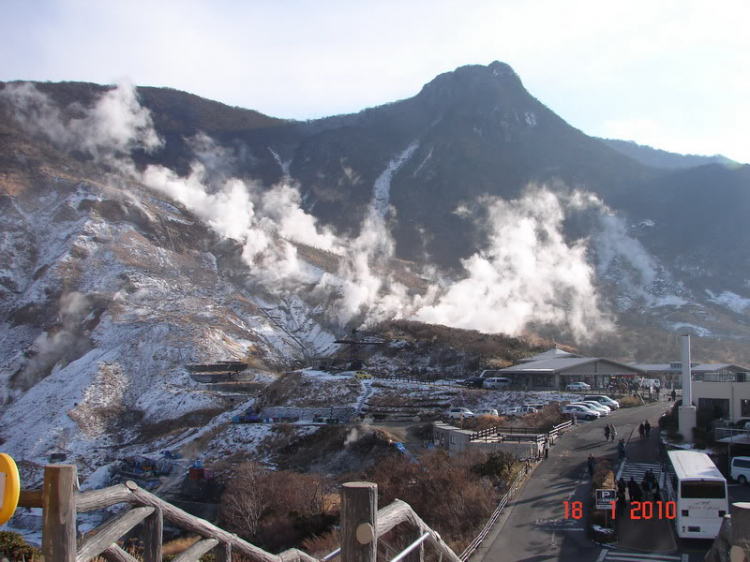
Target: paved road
[(534, 527)]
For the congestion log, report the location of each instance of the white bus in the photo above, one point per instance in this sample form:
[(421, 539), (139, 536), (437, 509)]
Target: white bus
[(699, 492)]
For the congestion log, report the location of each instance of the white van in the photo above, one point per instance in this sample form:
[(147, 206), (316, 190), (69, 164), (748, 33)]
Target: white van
[(496, 382), (741, 470)]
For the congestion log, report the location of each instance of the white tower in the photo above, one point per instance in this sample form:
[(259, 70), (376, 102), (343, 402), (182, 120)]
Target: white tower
[(687, 414)]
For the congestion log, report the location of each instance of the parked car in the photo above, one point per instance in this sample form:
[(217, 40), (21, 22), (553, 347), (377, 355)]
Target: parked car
[(578, 386), (580, 412), (486, 412), (606, 400), (520, 410), (496, 382), (740, 470), (361, 375), (601, 408), (742, 424), (458, 413), (473, 382)]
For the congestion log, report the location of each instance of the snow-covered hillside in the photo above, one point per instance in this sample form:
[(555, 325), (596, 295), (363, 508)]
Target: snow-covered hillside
[(108, 292)]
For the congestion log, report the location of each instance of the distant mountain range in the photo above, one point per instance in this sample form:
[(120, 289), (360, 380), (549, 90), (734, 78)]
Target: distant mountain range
[(663, 159)]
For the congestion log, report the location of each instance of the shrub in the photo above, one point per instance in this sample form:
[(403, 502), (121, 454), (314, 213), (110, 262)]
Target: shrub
[(701, 437), (630, 402), (275, 509), (497, 465), (14, 547), (443, 490), (320, 545)]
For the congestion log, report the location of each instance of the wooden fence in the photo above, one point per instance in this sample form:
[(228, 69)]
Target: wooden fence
[(361, 525)]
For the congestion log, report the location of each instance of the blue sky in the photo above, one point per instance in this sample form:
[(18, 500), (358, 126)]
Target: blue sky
[(672, 74)]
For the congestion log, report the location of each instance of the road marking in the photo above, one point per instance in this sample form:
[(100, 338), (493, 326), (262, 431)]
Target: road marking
[(638, 470), (685, 558), (602, 555), (627, 556)]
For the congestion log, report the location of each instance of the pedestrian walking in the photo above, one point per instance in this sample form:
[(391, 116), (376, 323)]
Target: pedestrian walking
[(657, 491), (632, 485), (621, 449), (647, 427), (641, 430), (606, 432), (646, 487), (674, 395), (591, 462), (638, 492), (612, 432), (621, 503), (650, 476), (658, 391)]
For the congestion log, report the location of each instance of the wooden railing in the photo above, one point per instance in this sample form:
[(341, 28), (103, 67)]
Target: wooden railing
[(361, 525)]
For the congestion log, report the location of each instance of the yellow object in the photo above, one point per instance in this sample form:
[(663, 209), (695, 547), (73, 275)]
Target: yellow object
[(360, 375), (10, 487)]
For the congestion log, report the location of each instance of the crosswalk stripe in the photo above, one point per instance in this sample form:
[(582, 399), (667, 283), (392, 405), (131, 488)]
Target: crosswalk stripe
[(638, 557), (638, 470)]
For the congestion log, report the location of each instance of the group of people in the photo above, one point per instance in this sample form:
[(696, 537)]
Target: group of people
[(609, 432), (647, 490), (644, 430)]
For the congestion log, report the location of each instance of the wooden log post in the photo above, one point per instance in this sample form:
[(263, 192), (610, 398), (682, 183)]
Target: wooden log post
[(194, 553), (359, 505), (108, 533), (59, 513), (223, 552), (116, 554), (153, 528)]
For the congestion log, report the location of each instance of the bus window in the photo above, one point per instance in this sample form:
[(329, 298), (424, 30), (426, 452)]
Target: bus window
[(703, 490)]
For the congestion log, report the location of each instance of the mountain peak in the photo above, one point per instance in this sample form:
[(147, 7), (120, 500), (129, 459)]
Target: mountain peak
[(474, 82)]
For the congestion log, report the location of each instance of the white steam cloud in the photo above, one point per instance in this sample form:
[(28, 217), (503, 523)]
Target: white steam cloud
[(114, 126), (65, 340), (613, 243), (527, 273)]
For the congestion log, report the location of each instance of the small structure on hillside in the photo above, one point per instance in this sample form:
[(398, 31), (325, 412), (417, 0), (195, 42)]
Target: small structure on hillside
[(356, 343), (522, 445), (322, 363)]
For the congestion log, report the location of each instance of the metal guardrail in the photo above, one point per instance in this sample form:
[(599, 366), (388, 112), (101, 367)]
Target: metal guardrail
[(331, 555), (496, 430), (493, 518), (437, 382), (401, 555), (504, 501), (733, 433), (562, 427)]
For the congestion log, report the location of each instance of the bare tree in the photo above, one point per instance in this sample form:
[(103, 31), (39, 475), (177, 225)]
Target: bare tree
[(246, 499)]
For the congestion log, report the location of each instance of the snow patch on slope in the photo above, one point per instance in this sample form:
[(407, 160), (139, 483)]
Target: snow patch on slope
[(730, 300), (382, 188), (283, 165)]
